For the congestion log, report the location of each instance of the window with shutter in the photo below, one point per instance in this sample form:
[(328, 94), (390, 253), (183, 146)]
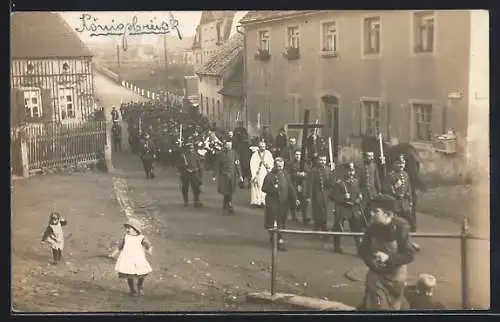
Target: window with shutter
[(32, 104)]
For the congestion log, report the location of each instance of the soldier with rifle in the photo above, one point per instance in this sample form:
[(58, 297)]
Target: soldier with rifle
[(191, 174)]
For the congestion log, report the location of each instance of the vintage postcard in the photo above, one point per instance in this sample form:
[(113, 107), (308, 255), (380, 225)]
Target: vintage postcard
[(169, 161)]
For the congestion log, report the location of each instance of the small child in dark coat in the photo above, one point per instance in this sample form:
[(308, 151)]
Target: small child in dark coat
[(54, 236), (419, 296)]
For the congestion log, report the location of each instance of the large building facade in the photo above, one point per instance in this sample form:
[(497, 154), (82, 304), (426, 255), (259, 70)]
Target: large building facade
[(51, 70), (405, 74)]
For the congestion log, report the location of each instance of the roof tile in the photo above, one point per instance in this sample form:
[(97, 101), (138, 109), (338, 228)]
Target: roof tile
[(44, 34), (223, 57)]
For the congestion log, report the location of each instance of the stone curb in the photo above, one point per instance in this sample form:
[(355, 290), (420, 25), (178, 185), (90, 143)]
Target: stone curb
[(299, 301)]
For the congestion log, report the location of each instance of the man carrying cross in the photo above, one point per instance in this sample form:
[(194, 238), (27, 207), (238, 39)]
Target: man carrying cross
[(305, 130)]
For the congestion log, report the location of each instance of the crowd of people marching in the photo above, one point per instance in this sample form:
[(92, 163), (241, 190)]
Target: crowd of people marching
[(287, 180)]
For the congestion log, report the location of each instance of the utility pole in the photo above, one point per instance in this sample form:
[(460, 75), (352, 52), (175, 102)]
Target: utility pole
[(118, 60), (166, 65)]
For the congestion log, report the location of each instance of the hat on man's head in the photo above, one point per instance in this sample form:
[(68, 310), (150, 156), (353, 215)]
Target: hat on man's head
[(369, 153), (385, 202), (350, 166), (134, 223), (279, 159), (400, 159)]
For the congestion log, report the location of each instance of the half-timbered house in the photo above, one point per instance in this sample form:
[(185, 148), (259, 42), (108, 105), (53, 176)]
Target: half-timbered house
[(51, 70)]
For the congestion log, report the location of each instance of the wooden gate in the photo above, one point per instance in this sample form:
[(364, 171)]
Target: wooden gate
[(55, 144)]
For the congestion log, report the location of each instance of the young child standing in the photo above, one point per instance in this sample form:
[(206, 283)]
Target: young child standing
[(54, 236), (132, 263)]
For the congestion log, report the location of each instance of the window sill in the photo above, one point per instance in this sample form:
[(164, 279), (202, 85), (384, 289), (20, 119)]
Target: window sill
[(328, 53)]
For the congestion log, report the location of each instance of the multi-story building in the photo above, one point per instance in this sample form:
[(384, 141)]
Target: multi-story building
[(220, 84), (213, 30), (406, 74), (51, 70)]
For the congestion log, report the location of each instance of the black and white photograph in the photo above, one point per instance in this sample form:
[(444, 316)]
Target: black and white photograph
[(250, 161)]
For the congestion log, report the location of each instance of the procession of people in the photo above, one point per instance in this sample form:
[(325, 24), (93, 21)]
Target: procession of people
[(289, 182)]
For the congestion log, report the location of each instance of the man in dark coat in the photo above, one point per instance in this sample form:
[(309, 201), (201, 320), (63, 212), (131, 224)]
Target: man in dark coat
[(267, 137), (116, 132), (313, 148), (398, 185), (191, 171), (280, 194), (227, 172), (369, 180), (288, 152), (115, 116), (346, 194), (148, 154), (280, 143), (319, 183), (240, 135), (299, 181)]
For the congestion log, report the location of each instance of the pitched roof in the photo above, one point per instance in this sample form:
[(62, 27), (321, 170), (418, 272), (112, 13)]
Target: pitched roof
[(263, 15), (224, 57), (233, 86), (44, 34), (225, 17)]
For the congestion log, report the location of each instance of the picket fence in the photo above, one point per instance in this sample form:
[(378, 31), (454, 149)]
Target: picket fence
[(55, 144)]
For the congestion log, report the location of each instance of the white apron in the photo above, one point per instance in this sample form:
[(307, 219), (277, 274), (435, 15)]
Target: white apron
[(132, 259), (258, 169)]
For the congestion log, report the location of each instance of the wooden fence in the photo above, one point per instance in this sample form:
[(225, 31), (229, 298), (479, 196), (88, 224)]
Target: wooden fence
[(51, 145)]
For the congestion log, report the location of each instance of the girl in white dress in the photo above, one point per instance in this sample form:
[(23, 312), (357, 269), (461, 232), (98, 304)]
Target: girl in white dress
[(132, 263), (54, 236)]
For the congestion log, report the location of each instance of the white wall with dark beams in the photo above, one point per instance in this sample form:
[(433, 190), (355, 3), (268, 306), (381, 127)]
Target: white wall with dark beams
[(67, 82)]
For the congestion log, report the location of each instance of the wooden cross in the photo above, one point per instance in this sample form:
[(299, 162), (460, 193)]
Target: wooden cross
[(305, 128)]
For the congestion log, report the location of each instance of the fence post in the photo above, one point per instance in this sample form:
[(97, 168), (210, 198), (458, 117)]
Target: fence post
[(24, 157), (107, 149), (274, 258), (465, 265)]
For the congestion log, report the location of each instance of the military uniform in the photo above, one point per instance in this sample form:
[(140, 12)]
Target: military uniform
[(346, 194), (228, 172), (148, 154), (398, 186), (319, 182), (191, 171), (299, 182), (369, 181)]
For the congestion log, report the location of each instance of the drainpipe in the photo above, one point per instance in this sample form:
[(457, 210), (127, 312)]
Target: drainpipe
[(244, 98)]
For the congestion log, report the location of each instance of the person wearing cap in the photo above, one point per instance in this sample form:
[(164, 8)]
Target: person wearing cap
[(299, 180), (398, 185), (114, 114), (227, 172), (369, 180), (280, 195), (191, 174), (261, 163), (280, 142), (148, 154), (386, 250), (320, 180), (346, 193), (132, 263), (420, 295)]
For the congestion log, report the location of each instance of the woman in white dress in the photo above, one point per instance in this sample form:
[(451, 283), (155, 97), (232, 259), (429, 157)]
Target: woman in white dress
[(132, 263), (261, 164)]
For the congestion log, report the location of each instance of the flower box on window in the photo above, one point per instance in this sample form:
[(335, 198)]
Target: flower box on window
[(262, 55), (292, 53), (328, 53)]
